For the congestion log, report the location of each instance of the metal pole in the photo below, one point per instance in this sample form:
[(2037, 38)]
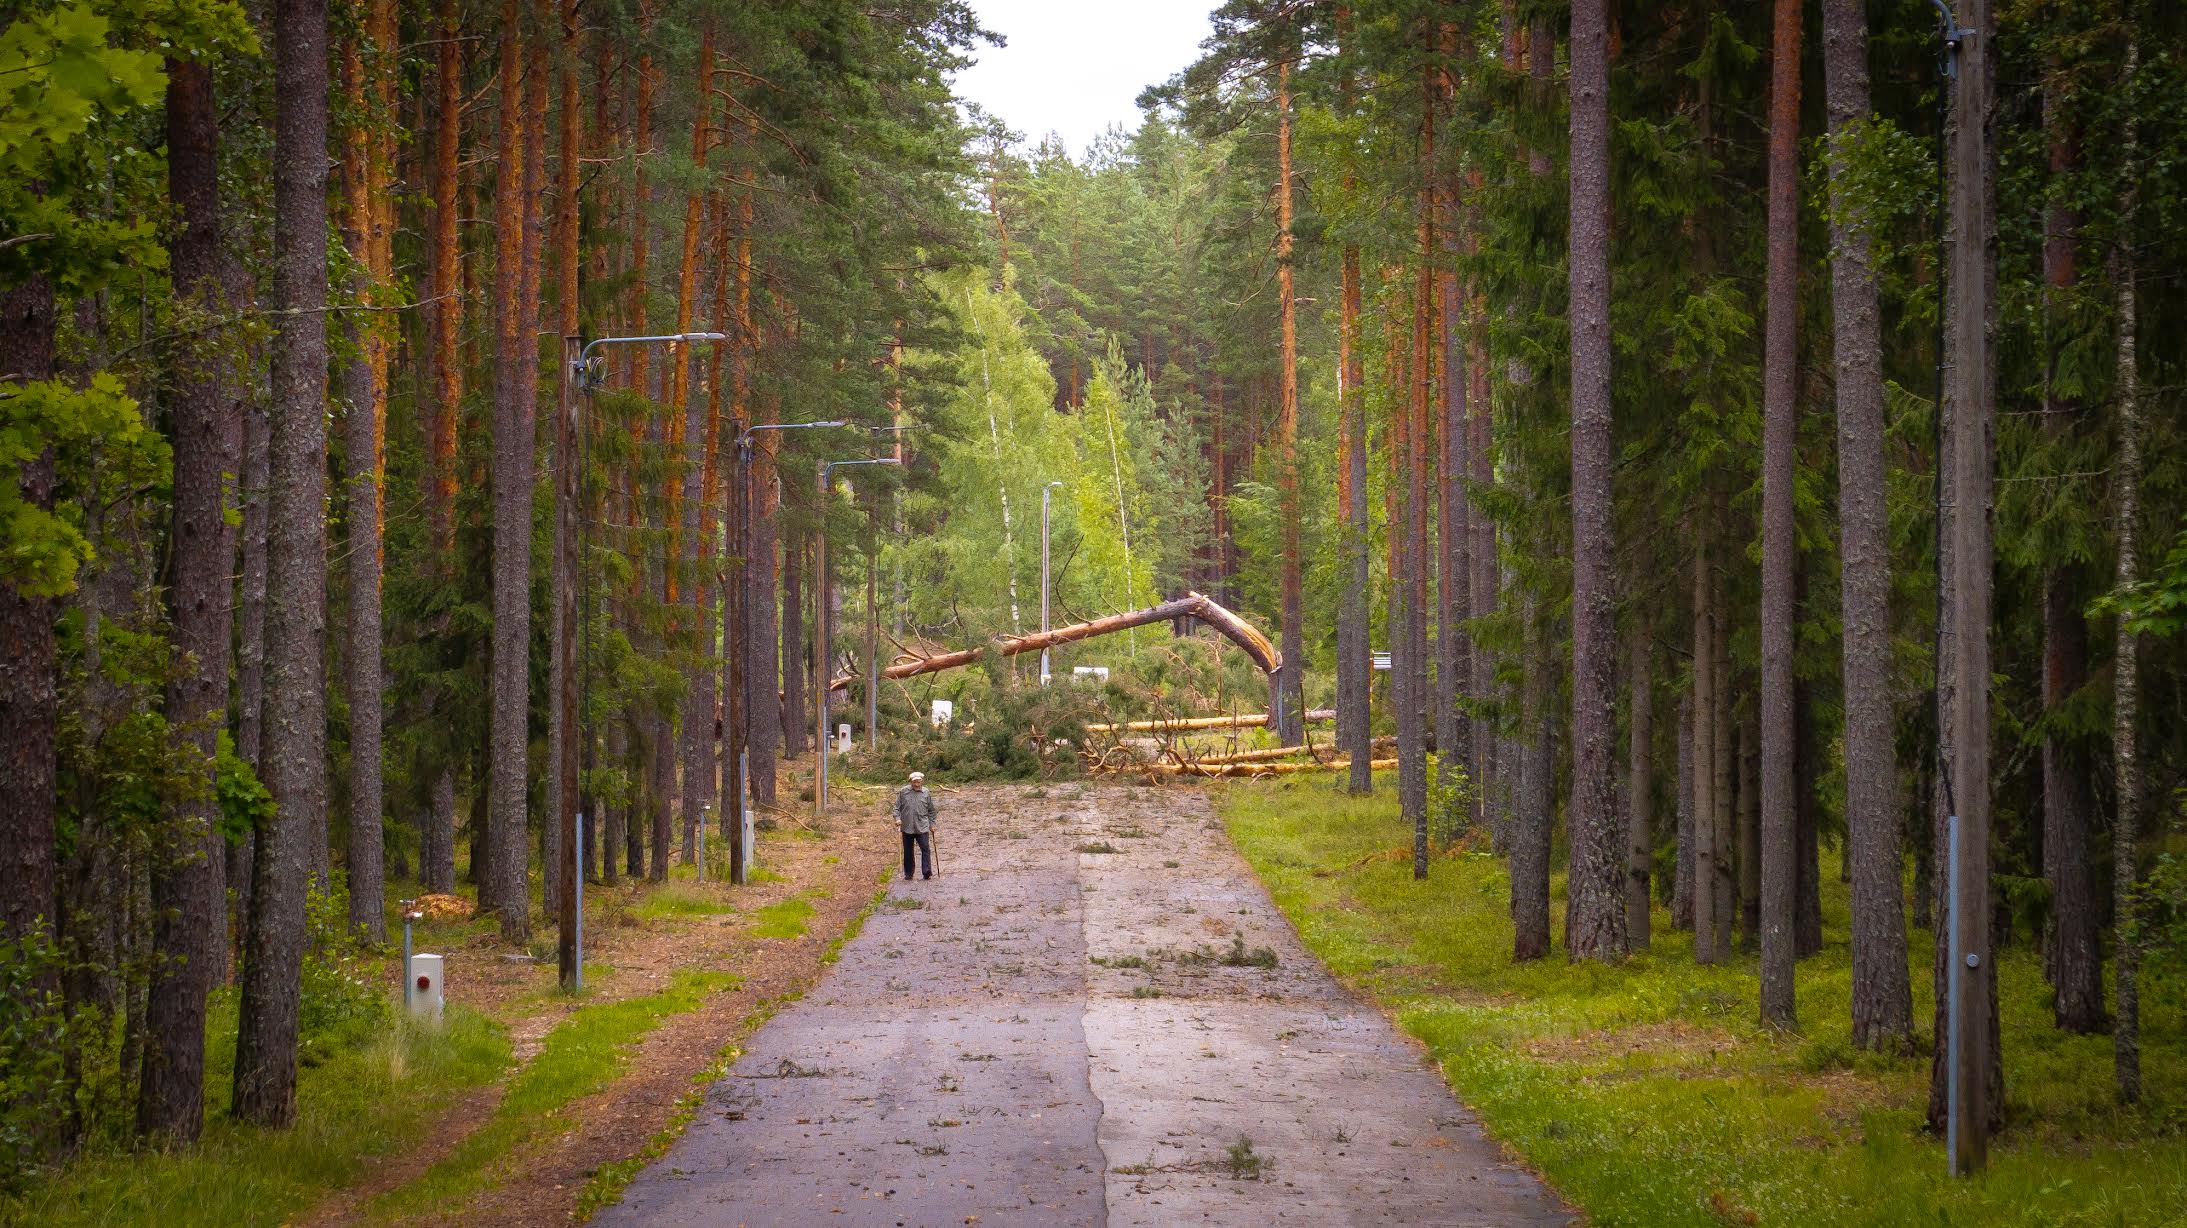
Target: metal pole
[(565, 655), (820, 648), (873, 643), (577, 982), (409, 985)]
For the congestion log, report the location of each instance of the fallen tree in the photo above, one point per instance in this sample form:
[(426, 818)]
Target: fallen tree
[(1245, 769), (1192, 605), (1174, 724)]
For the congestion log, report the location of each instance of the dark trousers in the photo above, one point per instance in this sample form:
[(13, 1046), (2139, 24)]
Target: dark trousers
[(925, 843)]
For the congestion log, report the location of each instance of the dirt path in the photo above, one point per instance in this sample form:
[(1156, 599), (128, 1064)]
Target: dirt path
[(1056, 1033)]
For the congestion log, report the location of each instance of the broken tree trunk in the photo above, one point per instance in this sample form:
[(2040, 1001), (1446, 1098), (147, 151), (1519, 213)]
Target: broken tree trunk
[(1191, 605), (1243, 720)]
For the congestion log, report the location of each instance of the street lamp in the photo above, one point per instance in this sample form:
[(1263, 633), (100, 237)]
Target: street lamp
[(577, 379), (820, 656), (1044, 500)]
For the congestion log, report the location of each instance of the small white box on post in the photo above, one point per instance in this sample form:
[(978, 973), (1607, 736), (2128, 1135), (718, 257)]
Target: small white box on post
[(843, 738), (425, 987), (943, 712)]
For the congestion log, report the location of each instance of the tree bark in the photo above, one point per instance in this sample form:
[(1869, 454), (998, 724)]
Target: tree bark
[(796, 717), (2075, 962), (444, 318), (1681, 887), (29, 661), (1534, 824), (1291, 726), (189, 937), (1355, 668), (1414, 720), (763, 707), (2126, 671), (1882, 996), (1780, 431), (1724, 767), (515, 359), (1596, 878), (1701, 738), (367, 169), (1639, 795), (295, 706)]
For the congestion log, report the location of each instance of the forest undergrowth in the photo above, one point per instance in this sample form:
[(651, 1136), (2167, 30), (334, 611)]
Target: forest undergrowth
[(1648, 1094)]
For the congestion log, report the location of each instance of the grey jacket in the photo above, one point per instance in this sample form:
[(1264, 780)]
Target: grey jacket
[(915, 811)]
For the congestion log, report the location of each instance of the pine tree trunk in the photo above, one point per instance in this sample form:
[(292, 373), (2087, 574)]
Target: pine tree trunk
[(1701, 739), (1596, 878), (1749, 818), (445, 317), (1724, 767), (1355, 668), (2126, 670), (1807, 924), (1291, 730), (1780, 430), (1681, 887), (1640, 795), (29, 702), (1882, 996), (367, 171), (503, 891), (796, 717), (1532, 827), (294, 762), (2075, 962), (187, 892), (763, 706), (1412, 731)]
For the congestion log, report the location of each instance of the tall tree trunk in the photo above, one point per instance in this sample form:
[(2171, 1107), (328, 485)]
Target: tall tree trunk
[(367, 170), (1596, 878), (295, 707), (796, 717), (187, 891), (2075, 962), (1807, 924), (1749, 819), (1780, 431), (1701, 738), (1292, 677), (445, 317), (29, 662), (1413, 722), (250, 640), (1533, 826), (1640, 794), (1725, 767), (1681, 886), (515, 359), (2126, 670), (1882, 994), (1355, 668), (763, 706)]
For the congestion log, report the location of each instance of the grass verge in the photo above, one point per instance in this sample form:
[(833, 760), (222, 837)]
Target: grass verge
[(785, 919), (373, 1099), (1649, 1094), (582, 1055)]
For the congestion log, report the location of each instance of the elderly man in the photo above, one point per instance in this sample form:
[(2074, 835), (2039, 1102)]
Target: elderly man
[(915, 815)]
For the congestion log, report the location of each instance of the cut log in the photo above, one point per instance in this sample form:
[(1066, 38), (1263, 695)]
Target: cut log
[(1191, 605), (1247, 769), (1187, 723), (1270, 755)]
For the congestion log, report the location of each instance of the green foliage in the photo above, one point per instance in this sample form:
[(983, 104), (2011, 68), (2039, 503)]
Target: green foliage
[(40, 1039), (246, 804), (340, 1004), (783, 919), (369, 1101), (2157, 605), (88, 429)]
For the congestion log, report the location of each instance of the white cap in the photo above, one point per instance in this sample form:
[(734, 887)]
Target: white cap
[(918, 775)]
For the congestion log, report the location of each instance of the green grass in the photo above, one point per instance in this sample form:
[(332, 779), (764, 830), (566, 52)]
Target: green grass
[(582, 1055), (1649, 1094), (368, 1100), (785, 919), (682, 898)]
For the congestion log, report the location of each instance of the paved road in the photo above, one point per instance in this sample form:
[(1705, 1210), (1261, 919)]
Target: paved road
[(1050, 1033)]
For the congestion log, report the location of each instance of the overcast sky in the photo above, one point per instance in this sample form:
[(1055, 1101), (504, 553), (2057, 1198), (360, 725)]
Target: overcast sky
[(1074, 66)]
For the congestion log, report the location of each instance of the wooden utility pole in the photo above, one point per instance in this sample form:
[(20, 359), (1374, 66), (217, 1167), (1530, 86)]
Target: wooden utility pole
[(1289, 701), (567, 631)]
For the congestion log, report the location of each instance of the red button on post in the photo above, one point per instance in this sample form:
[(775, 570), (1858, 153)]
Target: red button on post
[(425, 982)]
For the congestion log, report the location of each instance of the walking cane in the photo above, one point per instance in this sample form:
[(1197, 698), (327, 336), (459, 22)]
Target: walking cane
[(934, 847)]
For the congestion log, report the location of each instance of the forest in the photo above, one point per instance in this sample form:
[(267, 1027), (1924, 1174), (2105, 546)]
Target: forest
[(1749, 430)]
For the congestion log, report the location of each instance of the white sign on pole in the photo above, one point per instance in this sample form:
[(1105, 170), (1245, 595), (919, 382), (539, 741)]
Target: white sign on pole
[(943, 713)]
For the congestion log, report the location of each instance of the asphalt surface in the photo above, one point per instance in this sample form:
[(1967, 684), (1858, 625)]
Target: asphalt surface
[(1052, 1033)]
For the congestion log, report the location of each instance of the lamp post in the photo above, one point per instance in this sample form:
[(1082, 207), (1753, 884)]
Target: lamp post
[(1045, 492), (577, 380), (820, 618)]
